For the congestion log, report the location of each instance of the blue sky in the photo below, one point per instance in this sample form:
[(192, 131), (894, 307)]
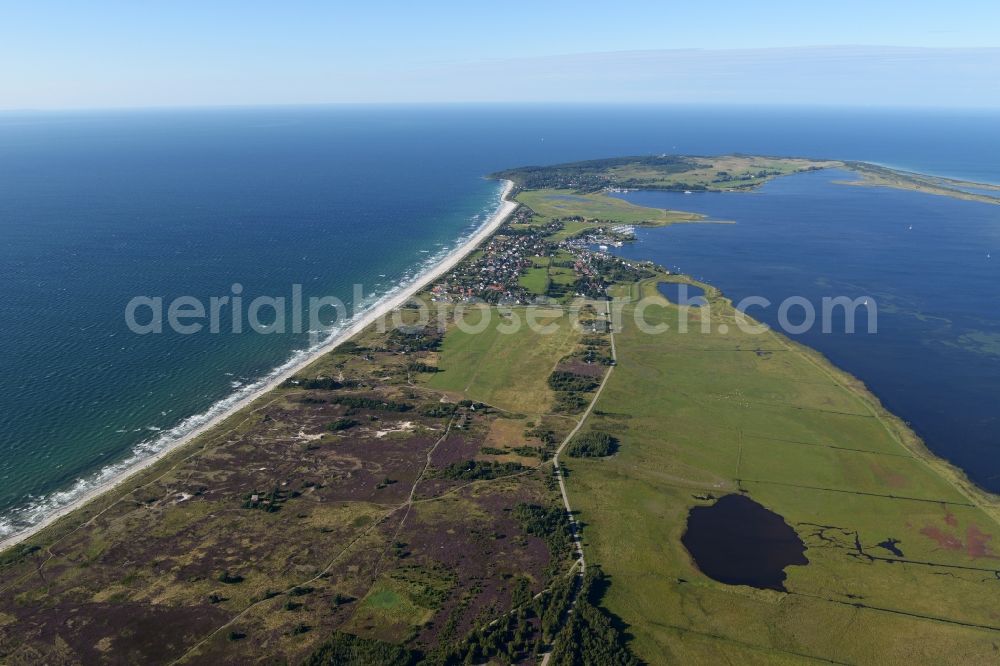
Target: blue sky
[(69, 53)]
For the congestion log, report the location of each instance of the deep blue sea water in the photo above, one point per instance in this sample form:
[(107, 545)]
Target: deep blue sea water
[(98, 207), (930, 264)]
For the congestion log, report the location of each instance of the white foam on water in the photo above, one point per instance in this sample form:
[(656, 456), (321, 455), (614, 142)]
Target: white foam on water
[(36, 509)]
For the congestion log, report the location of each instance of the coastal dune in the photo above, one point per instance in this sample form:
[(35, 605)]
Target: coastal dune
[(379, 309)]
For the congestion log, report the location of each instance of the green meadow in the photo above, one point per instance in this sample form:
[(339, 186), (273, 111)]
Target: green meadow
[(505, 369), (595, 208), (701, 415), (535, 280)]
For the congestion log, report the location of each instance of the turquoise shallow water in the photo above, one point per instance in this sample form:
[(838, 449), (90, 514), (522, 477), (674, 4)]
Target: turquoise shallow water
[(96, 208)]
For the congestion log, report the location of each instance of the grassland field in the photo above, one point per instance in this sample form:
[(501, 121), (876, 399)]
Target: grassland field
[(555, 204), (369, 535), (702, 415), (507, 370)]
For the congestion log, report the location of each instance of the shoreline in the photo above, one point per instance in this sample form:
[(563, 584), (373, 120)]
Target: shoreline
[(383, 306)]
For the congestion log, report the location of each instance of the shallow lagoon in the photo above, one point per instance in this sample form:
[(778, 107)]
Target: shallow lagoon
[(681, 293), (930, 263)]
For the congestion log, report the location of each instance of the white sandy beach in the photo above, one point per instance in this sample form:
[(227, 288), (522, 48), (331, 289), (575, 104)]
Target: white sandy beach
[(378, 310)]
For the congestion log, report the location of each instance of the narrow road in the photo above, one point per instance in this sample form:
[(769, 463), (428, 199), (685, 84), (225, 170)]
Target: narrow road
[(408, 504), (573, 525)]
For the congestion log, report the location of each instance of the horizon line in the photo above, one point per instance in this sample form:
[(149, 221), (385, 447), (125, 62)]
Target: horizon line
[(874, 106)]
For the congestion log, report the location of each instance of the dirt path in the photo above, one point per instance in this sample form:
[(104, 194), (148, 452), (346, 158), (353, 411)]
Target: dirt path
[(407, 505), (411, 499), (573, 525)]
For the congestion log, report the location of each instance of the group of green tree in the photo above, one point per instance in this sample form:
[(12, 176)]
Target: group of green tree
[(413, 339), (614, 269), (267, 502), (342, 423), (587, 636), (593, 444), (549, 523), (478, 470), (569, 387), (590, 637), (372, 403), (439, 409), (345, 649), (317, 383), (563, 380)]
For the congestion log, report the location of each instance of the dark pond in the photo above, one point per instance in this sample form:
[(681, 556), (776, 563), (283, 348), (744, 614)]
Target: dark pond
[(739, 542), (682, 294)]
